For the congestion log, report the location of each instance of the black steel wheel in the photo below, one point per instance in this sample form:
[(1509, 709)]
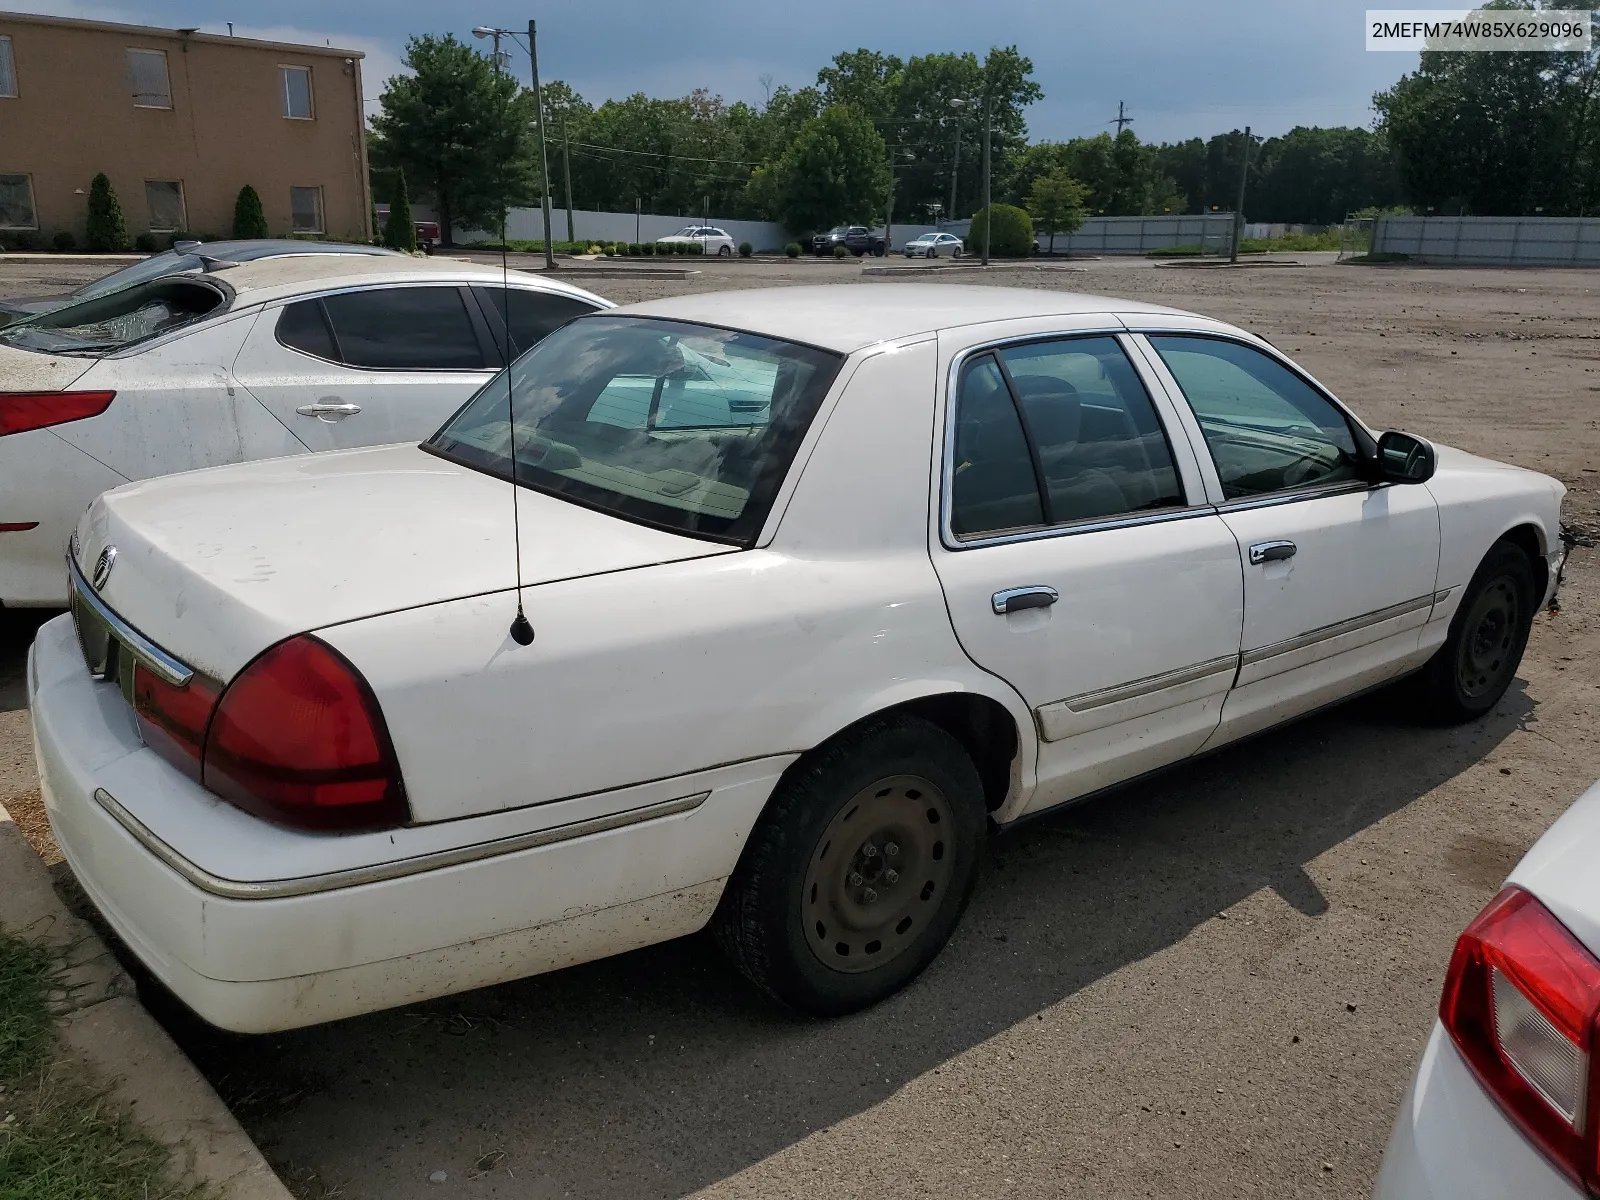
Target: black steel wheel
[(1481, 653), (859, 869)]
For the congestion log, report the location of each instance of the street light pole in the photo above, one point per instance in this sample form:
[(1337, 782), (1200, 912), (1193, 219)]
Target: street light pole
[(988, 215), (544, 164)]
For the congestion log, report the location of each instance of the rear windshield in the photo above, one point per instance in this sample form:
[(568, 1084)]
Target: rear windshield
[(680, 426), (154, 267), (114, 322)]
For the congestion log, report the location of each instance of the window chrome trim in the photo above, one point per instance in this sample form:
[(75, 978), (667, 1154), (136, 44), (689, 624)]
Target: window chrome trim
[(1273, 499), (307, 885), (1337, 629), (1088, 701), (161, 663), (950, 540)]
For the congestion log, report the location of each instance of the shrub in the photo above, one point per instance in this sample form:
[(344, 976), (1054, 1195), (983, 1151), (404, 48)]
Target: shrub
[(746, 249), (693, 248), (1013, 232), (792, 249), (108, 232), (400, 232), (147, 243), (249, 221), (64, 242), (610, 250), (24, 239), (647, 249), (840, 251)]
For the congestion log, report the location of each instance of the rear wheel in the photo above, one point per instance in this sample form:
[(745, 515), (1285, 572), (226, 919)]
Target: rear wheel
[(725, 252), (1481, 653), (859, 870)]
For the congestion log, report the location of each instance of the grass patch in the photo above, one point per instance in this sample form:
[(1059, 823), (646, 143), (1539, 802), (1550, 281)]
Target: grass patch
[(60, 1140)]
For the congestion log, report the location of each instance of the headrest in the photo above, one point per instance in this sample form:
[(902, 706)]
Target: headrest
[(1053, 408)]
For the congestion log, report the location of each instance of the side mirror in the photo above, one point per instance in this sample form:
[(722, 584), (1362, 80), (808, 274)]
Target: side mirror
[(1403, 458)]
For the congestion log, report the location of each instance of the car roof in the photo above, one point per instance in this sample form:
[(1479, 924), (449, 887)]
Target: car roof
[(849, 316), (249, 249), (266, 279)]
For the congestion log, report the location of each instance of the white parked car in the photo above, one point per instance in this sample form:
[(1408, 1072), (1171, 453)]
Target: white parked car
[(709, 238), (1506, 1099), (935, 245), (753, 608), (273, 357)]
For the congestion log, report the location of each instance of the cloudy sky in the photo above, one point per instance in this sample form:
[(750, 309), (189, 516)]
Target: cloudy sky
[(1182, 68)]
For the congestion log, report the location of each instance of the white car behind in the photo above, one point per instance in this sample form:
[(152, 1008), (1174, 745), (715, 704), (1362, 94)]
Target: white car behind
[(709, 238), (935, 245), (1506, 1100), (752, 608), (267, 358)]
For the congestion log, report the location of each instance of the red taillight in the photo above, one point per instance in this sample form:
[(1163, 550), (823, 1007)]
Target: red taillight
[(298, 738), (172, 719), (22, 411), (1522, 1002)]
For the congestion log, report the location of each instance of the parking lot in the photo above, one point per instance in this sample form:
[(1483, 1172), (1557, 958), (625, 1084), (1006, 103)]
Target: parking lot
[(1211, 984)]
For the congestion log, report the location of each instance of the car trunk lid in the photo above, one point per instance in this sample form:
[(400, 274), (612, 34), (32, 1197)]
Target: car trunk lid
[(30, 371)]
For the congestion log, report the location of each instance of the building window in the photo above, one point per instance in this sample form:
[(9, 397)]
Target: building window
[(16, 203), (147, 75), (8, 70), (296, 93), (164, 198), (305, 209)]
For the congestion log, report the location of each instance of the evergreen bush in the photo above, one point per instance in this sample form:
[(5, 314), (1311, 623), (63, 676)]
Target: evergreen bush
[(107, 232), (249, 221)]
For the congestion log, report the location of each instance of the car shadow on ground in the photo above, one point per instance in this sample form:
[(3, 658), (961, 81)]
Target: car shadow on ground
[(660, 1071), (17, 629)]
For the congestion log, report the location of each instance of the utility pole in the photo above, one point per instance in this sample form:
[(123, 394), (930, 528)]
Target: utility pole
[(1122, 119), (888, 210), (544, 162), (988, 214), (955, 165), (566, 175), (1238, 212)]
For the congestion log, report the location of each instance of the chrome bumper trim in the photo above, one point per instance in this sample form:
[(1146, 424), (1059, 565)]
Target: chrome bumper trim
[(306, 885), (1311, 638), (142, 648)]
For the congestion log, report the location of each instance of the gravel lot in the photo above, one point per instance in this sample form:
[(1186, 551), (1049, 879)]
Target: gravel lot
[(1213, 984)]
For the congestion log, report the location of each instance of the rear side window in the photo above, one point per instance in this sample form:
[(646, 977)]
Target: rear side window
[(403, 329), (533, 314)]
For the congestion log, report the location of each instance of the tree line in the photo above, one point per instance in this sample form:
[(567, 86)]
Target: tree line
[(1469, 132)]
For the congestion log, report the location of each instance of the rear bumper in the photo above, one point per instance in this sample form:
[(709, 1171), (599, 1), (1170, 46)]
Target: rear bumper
[(1451, 1141), (256, 928)]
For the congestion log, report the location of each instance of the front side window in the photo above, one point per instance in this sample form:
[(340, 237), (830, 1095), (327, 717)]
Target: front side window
[(680, 426), (164, 198), (147, 77), (8, 70), (305, 209), (403, 328), (16, 203), (1267, 429), (296, 92)]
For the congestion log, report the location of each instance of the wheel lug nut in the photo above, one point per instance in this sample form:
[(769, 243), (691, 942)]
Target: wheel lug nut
[(869, 896), (869, 850), (855, 878), (891, 849), (891, 876)]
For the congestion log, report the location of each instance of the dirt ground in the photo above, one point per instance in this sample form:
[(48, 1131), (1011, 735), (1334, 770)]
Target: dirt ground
[(1213, 984)]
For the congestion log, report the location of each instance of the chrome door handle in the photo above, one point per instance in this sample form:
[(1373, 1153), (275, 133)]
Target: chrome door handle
[(1016, 599), (328, 409), (1265, 552)]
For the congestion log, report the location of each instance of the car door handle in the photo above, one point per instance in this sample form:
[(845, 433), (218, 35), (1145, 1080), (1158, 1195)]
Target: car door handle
[(1016, 599), (1265, 552), (328, 409)]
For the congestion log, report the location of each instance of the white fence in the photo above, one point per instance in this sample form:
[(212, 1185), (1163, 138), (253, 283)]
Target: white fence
[(1211, 232), (1492, 241), (528, 223)]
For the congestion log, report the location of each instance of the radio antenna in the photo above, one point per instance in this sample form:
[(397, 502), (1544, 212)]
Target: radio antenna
[(521, 630)]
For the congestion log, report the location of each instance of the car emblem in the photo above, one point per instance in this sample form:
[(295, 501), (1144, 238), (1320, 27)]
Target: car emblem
[(102, 567)]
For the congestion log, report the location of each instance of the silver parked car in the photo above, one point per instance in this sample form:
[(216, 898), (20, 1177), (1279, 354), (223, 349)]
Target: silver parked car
[(935, 245)]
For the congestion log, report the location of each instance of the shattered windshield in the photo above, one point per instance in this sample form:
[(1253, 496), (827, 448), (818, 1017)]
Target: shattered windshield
[(113, 322)]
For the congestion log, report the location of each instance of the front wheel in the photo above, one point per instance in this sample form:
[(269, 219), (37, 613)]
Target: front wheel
[(955, 253), (1489, 632), (859, 870), (725, 252)]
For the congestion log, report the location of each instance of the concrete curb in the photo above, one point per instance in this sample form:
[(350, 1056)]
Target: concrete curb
[(104, 1027)]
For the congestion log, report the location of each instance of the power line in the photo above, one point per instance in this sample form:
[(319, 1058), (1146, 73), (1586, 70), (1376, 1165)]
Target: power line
[(1121, 120), (734, 162)]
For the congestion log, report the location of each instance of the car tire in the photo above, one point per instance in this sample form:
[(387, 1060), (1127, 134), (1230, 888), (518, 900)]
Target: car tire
[(956, 253), (805, 928), (725, 252), (1469, 674)]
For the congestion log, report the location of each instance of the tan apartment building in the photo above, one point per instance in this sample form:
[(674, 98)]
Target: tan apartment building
[(179, 121)]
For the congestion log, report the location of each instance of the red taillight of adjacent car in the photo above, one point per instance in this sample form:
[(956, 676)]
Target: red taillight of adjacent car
[(172, 719), (298, 738), (1522, 1003), (22, 411)]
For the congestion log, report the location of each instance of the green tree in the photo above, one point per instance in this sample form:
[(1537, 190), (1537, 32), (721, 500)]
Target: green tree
[(1055, 202), (865, 80), (107, 231), (249, 221), (399, 231), (1013, 232), (461, 130), (835, 170)]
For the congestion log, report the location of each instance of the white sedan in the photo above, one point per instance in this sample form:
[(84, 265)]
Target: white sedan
[(1504, 1102), (709, 238), (752, 608), (935, 245), (265, 358)]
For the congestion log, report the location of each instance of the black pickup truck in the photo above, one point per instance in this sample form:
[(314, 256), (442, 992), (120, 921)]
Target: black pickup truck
[(857, 239)]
